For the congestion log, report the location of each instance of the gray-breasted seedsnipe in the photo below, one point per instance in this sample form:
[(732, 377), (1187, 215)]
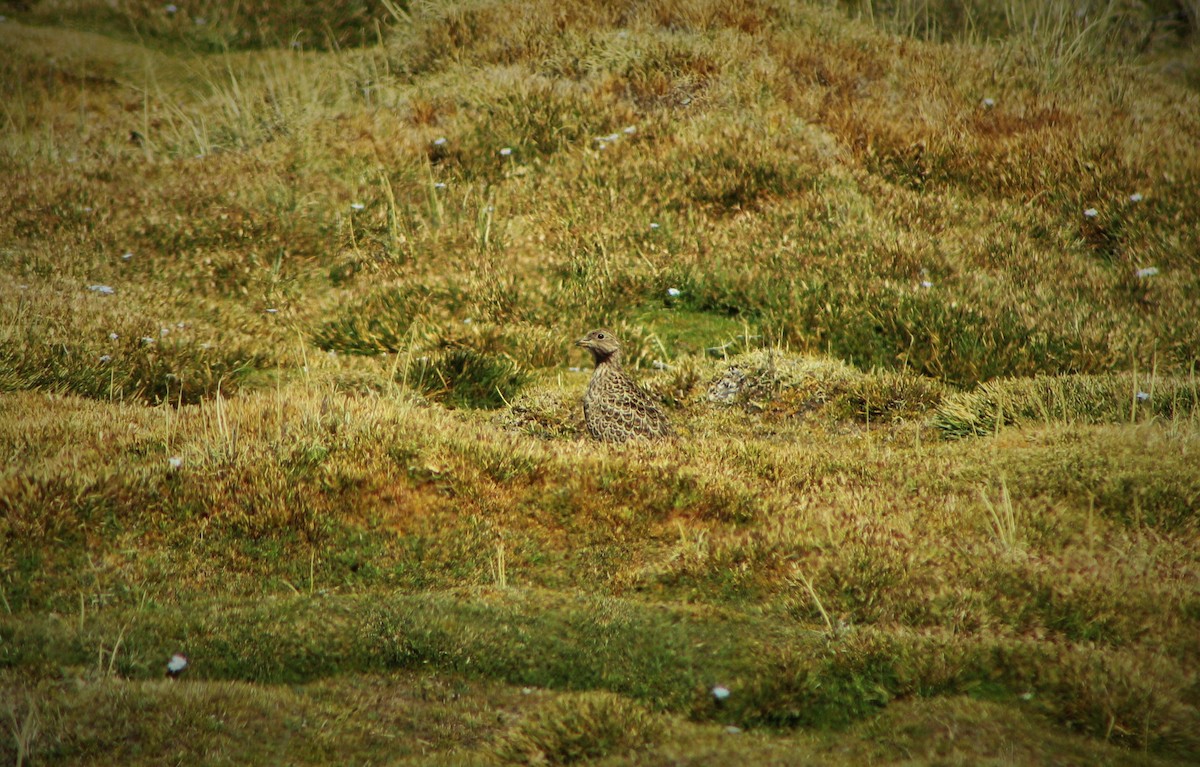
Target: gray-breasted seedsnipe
[(615, 408)]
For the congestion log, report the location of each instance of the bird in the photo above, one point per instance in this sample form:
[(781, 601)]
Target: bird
[(615, 408)]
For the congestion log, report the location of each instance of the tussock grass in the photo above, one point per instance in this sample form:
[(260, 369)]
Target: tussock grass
[(577, 729), (1068, 399), (915, 282)]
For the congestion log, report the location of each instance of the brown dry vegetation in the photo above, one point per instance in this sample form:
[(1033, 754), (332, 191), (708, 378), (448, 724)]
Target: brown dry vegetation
[(286, 383)]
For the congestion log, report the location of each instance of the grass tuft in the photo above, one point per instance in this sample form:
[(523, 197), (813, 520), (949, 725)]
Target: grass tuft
[(577, 729)]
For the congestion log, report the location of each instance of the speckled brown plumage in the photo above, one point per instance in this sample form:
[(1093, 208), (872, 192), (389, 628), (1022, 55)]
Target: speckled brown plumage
[(614, 407)]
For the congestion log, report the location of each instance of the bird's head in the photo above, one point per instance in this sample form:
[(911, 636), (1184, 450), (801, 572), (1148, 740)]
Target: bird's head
[(603, 345)]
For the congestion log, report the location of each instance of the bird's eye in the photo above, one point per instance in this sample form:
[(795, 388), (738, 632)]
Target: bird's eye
[(600, 336)]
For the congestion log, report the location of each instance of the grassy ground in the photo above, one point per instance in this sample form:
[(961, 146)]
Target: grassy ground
[(287, 385)]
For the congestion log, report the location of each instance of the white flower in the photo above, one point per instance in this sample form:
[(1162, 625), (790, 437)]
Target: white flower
[(356, 206), (988, 103), (720, 692), (206, 345), (103, 290), (180, 325), (272, 311), (440, 185), (1142, 396), (732, 730), (113, 336), (1148, 271), (147, 340), (171, 8), (1026, 696), (126, 256), (106, 358), (178, 662), (1135, 197), (175, 462), (653, 226), (926, 284), (674, 292), (439, 141), (506, 151), (575, 369), (164, 331), (1091, 213), (659, 365), (629, 131)]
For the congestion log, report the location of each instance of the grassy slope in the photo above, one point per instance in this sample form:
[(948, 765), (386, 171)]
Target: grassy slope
[(386, 540)]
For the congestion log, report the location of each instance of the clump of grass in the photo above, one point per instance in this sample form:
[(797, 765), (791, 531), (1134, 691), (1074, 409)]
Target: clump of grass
[(731, 180), (1054, 34), (152, 368), (1108, 471), (465, 377), (944, 339), (890, 396), (527, 123), (756, 377), (578, 728), (789, 385), (1045, 400), (380, 322), (24, 728), (832, 690), (215, 27), (1003, 517), (546, 413)]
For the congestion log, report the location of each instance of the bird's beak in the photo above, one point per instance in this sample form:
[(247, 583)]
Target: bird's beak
[(582, 342)]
